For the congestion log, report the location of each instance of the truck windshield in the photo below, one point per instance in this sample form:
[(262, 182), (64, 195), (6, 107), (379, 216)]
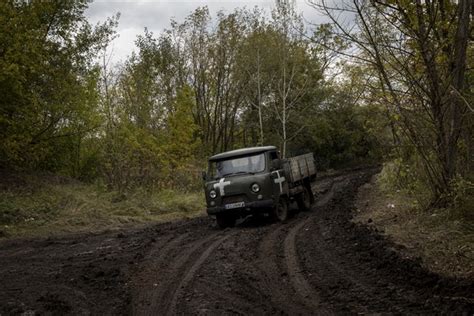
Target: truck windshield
[(247, 164)]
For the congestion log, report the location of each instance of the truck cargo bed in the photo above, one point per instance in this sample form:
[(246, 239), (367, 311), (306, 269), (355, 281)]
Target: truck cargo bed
[(301, 167)]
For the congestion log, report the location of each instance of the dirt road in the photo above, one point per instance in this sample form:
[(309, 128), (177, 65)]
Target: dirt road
[(317, 263)]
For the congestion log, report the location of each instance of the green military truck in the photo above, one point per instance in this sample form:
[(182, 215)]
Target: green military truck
[(256, 181)]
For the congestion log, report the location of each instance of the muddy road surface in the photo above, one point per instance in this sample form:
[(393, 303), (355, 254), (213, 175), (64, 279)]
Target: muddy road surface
[(318, 263)]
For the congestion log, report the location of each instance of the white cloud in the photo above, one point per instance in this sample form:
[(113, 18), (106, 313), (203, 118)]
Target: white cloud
[(156, 15)]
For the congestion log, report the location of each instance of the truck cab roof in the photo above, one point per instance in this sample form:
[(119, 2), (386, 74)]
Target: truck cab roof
[(241, 152)]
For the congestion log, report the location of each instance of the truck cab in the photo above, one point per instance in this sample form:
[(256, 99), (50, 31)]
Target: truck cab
[(247, 181)]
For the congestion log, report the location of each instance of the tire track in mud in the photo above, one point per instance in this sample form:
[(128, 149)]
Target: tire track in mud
[(296, 274), (232, 302), (280, 266), (191, 272), (308, 295), (330, 267), (146, 294), (170, 266), (359, 290), (176, 265), (273, 273)]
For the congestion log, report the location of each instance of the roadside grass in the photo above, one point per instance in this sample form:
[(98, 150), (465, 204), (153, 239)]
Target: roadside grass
[(442, 238), (45, 206)]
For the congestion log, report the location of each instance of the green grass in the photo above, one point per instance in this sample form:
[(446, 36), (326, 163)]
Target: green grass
[(44, 208)]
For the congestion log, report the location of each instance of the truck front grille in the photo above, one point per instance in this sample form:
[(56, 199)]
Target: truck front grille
[(234, 199)]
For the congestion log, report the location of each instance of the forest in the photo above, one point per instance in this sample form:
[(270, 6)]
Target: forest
[(392, 84)]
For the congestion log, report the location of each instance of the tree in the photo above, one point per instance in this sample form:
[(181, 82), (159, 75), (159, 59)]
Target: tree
[(295, 72), (418, 51), (212, 59), (47, 81), (181, 142), (255, 70)]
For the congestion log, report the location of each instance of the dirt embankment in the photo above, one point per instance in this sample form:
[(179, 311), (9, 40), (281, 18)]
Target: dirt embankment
[(440, 238), (318, 263)]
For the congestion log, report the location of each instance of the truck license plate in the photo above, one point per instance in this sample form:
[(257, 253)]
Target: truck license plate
[(234, 205)]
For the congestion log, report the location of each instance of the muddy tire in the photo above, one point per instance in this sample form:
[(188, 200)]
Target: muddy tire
[(280, 211), (223, 221), (304, 200)]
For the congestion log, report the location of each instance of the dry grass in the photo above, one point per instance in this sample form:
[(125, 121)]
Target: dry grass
[(444, 243), (44, 207)]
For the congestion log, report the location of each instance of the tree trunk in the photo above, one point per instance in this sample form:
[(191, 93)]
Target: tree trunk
[(458, 63)]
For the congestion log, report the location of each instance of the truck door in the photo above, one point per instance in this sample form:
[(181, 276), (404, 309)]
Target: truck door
[(279, 179)]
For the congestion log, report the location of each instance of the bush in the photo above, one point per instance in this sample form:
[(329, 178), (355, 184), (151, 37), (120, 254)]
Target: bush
[(400, 175), (462, 197)]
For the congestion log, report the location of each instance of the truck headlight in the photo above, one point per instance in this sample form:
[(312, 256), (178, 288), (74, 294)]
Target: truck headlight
[(212, 194), (255, 188)]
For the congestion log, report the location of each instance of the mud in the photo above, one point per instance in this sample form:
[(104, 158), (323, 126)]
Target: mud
[(319, 262)]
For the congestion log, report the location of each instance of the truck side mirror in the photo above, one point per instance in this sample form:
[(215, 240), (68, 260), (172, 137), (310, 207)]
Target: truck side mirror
[(204, 175), (276, 164)]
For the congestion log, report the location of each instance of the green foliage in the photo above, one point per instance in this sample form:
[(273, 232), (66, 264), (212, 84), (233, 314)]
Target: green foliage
[(189, 92), (181, 142), (131, 157), (399, 174), (151, 138), (342, 131), (16, 212), (47, 80), (462, 197)]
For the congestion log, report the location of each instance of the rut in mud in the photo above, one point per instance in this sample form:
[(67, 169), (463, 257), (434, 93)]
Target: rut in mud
[(317, 263)]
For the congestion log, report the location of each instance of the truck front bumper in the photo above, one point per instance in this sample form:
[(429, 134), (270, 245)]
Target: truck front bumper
[(250, 207)]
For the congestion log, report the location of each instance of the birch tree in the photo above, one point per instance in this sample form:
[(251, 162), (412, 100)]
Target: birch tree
[(291, 81)]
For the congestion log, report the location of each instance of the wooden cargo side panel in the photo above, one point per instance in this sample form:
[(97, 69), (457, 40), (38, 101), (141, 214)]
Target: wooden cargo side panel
[(310, 164), (301, 167)]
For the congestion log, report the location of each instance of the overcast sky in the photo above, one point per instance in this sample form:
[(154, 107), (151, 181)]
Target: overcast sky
[(156, 15)]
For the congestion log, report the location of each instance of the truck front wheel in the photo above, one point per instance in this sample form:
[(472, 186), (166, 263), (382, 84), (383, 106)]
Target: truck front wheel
[(225, 220), (280, 211)]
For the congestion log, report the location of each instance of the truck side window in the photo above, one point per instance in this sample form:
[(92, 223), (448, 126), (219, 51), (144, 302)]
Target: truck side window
[(273, 155)]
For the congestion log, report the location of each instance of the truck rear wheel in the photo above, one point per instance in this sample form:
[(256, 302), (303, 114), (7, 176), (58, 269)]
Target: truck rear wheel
[(224, 221), (280, 211), (304, 199)]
